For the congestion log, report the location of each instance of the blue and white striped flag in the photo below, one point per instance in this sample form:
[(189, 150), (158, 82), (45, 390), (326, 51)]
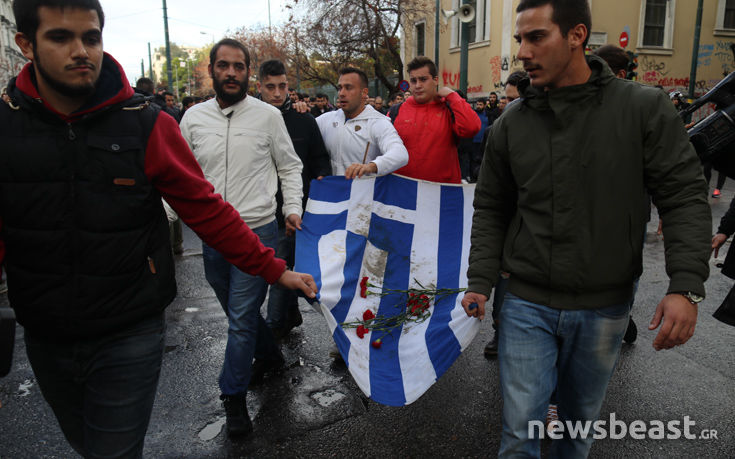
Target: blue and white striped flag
[(401, 233)]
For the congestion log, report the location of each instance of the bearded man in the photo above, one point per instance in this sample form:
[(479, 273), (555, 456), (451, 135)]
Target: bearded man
[(244, 149)]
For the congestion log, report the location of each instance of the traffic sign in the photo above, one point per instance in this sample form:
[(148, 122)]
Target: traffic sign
[(403, 85), (624, 39)]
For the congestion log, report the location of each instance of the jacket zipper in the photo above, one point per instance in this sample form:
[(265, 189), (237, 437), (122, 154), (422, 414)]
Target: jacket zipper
[(71, 135), (227, 156)]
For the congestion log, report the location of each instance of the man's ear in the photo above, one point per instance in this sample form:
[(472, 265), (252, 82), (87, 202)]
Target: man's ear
[(257, 85), (25, 45), (577, 35), (209, 69)]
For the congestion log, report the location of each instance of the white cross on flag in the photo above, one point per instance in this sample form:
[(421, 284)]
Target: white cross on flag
[(400, 233)]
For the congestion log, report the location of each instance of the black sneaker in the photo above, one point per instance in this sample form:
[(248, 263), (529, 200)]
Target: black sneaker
[(631, 333), (238, 419), (491, 348)]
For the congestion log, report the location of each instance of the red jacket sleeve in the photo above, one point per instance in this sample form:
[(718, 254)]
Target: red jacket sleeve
[(466, 121), (172, 169)]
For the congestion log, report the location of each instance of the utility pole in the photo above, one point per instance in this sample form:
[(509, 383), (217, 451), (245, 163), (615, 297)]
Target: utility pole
[(436, 33), (465, 40), (142, 67), (298, 62), (270, 32), (168, 46), (695, 51), (150, 63)]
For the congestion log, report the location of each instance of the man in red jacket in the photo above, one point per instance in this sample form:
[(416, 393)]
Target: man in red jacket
[(430, 122)]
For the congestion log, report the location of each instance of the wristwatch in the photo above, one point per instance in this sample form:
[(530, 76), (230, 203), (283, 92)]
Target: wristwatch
[(692, 297)]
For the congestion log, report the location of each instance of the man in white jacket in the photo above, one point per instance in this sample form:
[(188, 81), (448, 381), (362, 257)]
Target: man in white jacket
[(360, 140), (244, 149)]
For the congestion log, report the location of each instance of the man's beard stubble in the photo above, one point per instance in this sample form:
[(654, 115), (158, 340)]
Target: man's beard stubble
[(226, 97), (83, 90)]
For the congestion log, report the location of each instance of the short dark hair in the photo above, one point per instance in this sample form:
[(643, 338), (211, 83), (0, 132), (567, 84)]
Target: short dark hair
[(187, 100), (231, 43), (422, 61), (26, 13), (167, 93), (360, 73), (615, 57), (145, 84), (395, 95), (321, 95), (273, 67), (515, 78), (567, 14)]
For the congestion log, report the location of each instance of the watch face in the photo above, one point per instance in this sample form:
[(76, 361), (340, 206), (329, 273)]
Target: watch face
[(694, 298)]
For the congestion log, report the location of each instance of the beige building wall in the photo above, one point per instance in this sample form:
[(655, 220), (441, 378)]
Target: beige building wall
[(492, 60)]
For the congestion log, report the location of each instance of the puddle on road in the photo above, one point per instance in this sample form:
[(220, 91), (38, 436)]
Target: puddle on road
[(25, 388), (328, 397), (212, 430)]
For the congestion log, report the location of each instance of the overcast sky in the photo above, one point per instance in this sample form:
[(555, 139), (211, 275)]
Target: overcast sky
[(131, 24)]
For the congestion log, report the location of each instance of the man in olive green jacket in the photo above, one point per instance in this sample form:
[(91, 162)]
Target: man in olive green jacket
[(557, 206)]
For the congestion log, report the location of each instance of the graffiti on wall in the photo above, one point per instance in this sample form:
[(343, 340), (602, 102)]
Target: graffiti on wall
[(450, 78), (724, 55)]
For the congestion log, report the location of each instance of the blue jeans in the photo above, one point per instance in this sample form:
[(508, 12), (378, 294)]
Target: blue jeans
[(282, 301), (241, 296), (540, 349), (102, 390)]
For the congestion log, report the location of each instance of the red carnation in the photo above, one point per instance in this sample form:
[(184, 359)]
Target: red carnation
[(363, 287), (361, 331), (377, 343), (368, 315)]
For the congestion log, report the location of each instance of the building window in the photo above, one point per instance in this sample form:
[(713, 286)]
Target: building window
[(729, 21), (657, 23), (726, 15), (479, 27), (420, 35)]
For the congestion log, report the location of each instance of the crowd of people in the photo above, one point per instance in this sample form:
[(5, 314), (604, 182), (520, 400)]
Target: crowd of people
[(557, 234)]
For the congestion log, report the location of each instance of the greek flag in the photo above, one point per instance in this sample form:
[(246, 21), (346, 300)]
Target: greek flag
[(400, 233)]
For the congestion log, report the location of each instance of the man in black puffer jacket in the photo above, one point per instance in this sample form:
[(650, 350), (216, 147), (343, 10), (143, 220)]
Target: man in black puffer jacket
[(283, 310), (83, 233)]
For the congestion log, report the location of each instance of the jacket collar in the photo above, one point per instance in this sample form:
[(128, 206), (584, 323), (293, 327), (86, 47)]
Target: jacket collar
[(542, 99), (112, 88)]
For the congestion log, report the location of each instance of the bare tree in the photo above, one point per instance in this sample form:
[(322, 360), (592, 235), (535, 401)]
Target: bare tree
[(358, 32)]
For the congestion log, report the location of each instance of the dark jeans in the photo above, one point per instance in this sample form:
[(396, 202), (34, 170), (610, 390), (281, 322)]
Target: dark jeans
[(102, 390), (283, 302), (476, 160), (241, 296), (721, 177)]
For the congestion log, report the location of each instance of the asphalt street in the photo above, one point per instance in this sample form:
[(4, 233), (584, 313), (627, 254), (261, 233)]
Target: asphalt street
[(313, 408)]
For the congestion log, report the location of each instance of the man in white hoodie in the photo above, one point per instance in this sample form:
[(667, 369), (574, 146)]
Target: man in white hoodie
[(360, 140), (244, 149)]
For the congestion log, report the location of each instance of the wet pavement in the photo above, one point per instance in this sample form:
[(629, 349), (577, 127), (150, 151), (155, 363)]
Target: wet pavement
[(313, 408)]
